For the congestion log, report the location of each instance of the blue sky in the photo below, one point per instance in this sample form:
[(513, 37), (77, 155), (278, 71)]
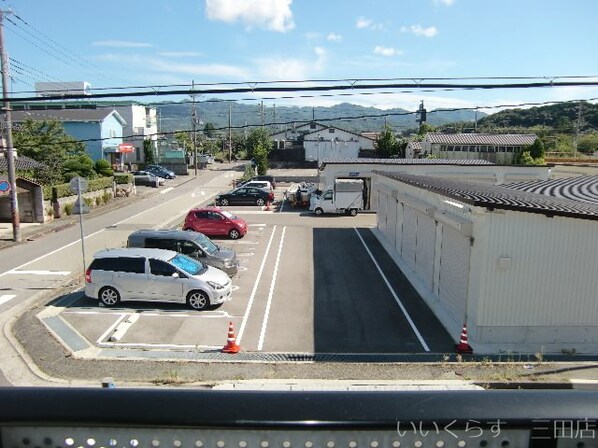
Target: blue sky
[(132, 43)]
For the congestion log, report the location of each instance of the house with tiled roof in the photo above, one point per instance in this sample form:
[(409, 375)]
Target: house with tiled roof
[(497, 148), (101, 130)]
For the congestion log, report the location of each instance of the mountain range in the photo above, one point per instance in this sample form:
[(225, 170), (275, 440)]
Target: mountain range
[(351, 117)]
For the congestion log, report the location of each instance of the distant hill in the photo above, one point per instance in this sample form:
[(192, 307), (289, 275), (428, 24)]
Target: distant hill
[(561, 117), (347, 116)]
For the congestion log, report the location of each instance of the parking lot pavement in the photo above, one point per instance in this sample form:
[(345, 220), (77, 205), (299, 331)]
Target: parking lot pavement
[(306, 285)]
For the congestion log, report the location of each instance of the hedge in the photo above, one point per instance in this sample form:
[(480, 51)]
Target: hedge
[(64, 190)]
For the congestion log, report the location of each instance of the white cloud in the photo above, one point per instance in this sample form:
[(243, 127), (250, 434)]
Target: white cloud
[(285, 69), (444, 2), (275, 15), (320, 52), (363, 23), (148, 64), (387, 51), (333, 37), (178, 54), (418, 30), (120, 44), (312, 35)]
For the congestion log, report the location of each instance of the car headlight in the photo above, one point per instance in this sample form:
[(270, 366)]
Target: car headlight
[(215, 285)]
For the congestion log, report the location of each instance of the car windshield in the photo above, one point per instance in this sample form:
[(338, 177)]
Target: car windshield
[(188, 265), (206, 244), (229, 215)]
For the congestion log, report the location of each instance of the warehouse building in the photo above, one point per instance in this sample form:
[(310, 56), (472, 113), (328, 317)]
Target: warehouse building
[(517, 267), (474, 170)]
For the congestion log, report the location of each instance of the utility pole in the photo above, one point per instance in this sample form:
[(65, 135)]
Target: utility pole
[(230, 135), (193, 127), (576, 141), (10, 154)]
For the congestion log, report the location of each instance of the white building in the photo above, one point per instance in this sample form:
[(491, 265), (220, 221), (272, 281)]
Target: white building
[(323, 142), (473, 170), (496, 148), (141, 125), (519, 268)]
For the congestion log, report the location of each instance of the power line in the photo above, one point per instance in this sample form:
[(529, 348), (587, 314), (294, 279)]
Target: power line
[(341, 118), (421, 87)]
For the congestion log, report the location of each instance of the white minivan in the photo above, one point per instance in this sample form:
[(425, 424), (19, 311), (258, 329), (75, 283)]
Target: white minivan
[(159, 275)]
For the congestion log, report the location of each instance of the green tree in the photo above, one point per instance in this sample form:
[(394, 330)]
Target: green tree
[(148, 152), (81, 165), (588, 143), (258, 137), (102, 168), (386, 144), (536, 149), (260, 155), (46, 142), (184, 140), (209, 130)]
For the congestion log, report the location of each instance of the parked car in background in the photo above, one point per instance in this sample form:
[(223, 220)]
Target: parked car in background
[(118, 275), (148, 179), (263, 184), (214, 221), (245, 196), (160, 171), (270, 179), (193, 244)]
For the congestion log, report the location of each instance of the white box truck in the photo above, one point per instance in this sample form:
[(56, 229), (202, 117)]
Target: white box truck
[(345, 197)]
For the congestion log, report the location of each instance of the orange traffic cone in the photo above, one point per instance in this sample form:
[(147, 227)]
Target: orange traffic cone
[(231, 342), (463, 346)]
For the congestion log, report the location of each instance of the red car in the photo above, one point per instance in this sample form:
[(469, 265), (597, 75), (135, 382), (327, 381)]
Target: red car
[(214, 221)]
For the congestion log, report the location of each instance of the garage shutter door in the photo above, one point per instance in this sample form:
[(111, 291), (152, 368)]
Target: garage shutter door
[(425, 246), (454, 271), (409, 236)]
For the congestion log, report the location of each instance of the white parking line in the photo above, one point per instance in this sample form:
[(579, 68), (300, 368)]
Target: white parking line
[(166, 190), (397, 299), (271, 293), (62, 273), (6, 297), (254, 291)]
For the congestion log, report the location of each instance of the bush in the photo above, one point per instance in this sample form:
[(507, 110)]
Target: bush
[(68, 208), (107, 196), (99, 200), (64, 190), (89, 202), (103, 168), (123, 179)]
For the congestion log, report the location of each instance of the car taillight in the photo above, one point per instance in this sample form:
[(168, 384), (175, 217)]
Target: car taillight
[(88, 276)]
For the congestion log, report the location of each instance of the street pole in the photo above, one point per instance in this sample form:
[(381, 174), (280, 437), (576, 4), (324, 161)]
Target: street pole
[(230, 135), (193, 125), (10, 155)]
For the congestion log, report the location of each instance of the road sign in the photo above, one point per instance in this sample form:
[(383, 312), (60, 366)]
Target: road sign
[(78, 184), (4, 186)]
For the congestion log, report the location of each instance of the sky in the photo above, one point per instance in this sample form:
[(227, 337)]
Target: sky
[(123, 43)]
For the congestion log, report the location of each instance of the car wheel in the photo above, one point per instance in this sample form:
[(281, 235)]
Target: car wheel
[(259, 202), (234, 234), (223, 201), (319, 211), (198, 300), (109, 296), (353, 212)]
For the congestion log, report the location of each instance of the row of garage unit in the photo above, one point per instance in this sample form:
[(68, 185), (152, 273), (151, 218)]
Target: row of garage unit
[(517, 268), (478, 171)]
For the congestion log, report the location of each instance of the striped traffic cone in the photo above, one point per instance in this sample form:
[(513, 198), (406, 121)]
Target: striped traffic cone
[(231, 342), (463, 346)]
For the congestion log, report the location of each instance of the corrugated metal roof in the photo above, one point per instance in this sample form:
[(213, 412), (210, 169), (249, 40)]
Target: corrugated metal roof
[(581, 188), (482, 139), (98, 115), (499, 197), (363, 161)]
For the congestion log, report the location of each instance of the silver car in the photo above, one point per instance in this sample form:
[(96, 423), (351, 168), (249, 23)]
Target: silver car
[(117, 275), (194, 244)]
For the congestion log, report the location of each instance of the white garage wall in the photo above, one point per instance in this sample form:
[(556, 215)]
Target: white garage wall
[(539, 271)]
